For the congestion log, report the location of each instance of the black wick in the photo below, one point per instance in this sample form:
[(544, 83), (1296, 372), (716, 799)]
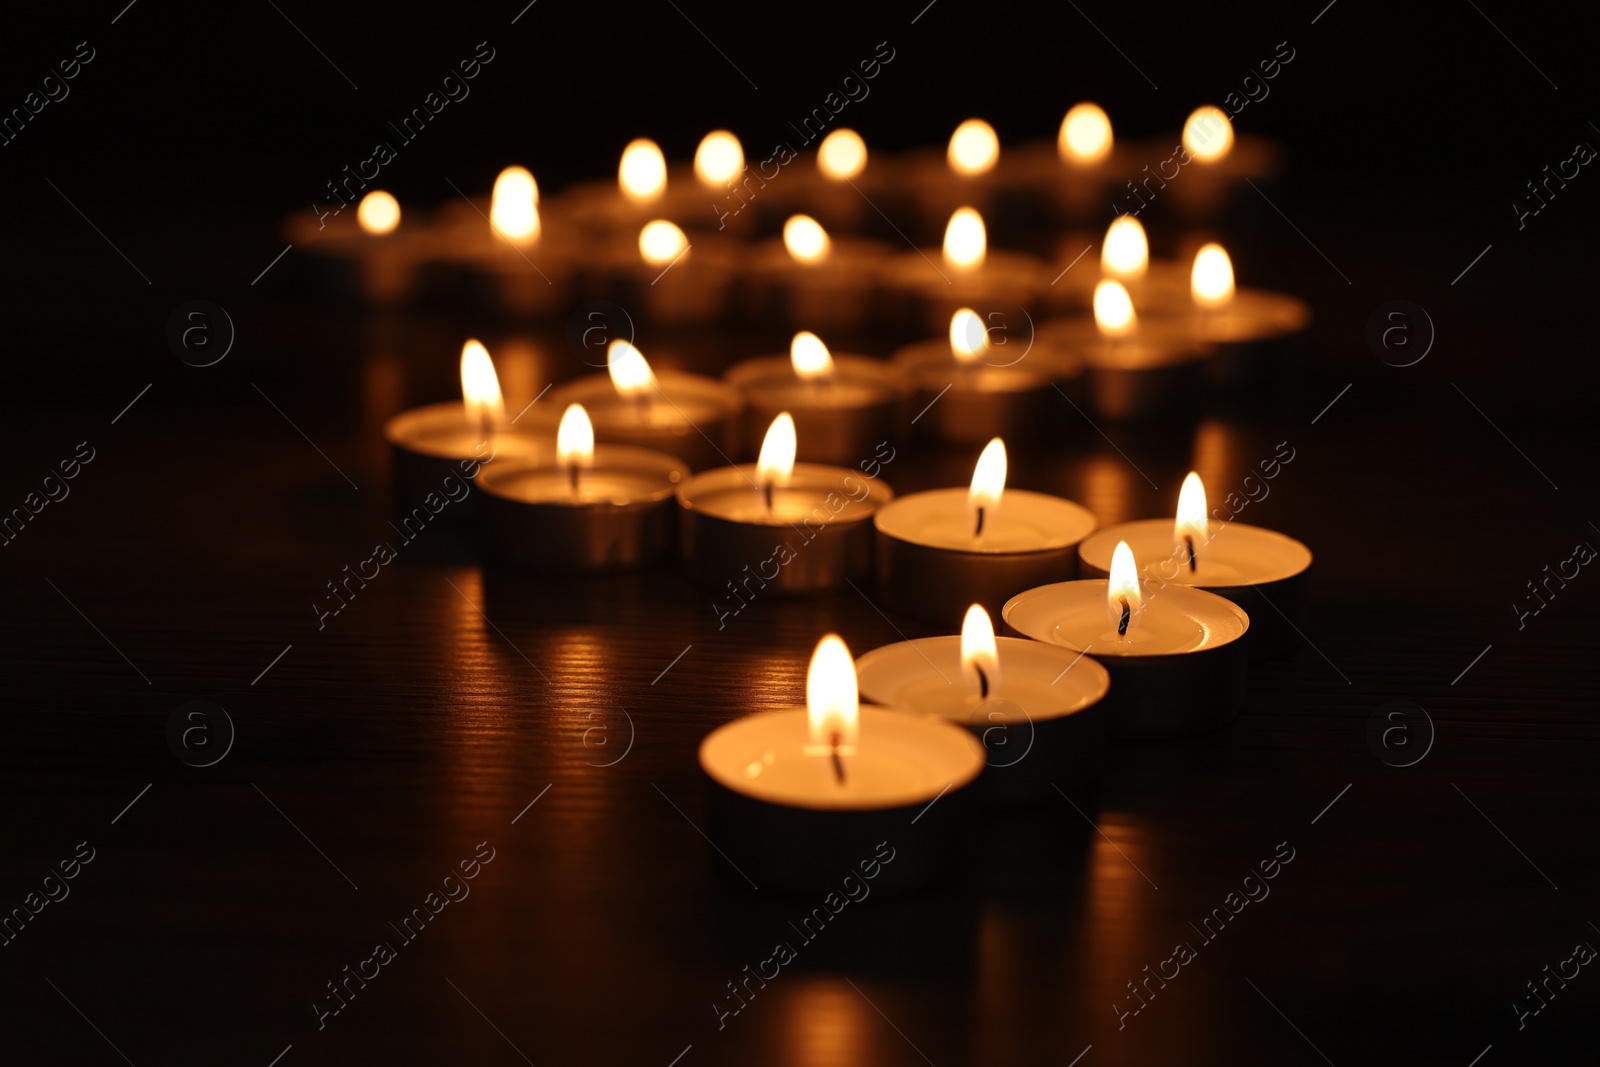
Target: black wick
[(838, 764), (983, 682), (1127, 613), (572, 474), (979, 531), (766, 492), (1189, 540)]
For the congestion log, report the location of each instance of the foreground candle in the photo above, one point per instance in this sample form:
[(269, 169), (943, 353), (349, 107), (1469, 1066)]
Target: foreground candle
[(1037, 708), (942, 550), (778, 525), (802, 796), (578, 508), (843, 406), (1176, 656), (1260, 570)]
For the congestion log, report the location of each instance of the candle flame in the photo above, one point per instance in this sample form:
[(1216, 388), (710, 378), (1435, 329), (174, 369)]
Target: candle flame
[(842, 155), (1123, 587), (1113, 310), (642, 173), (965, 240), (480, 387), (1126, 254), (514, 210), (833, 702), (811, 358), (1085, 136), (968, 338), (1208, 134), (980, 658), (575, 437), (776, 462), (661, 242), (1211, 281), (719, 159), (974, 148), (1191, 521), (805, 239), (988, 485), (630, 374), (378, 213)]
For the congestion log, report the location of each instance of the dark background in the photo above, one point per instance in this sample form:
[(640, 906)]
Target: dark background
[(413, 727)]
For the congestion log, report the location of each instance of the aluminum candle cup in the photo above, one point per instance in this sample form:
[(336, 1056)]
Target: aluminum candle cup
[(840, 417), (825, 283), (684, 415), (970, 400), (1158, 371), (1043, 724), (370, 254), (1262, 571), (620, 516), (784, 821), (1179, 670), (1257, 338), (431, 445), (816, 536)]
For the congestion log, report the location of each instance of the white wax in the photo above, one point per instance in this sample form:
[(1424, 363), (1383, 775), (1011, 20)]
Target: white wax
[(1023, 522), (815, 491), (1037, 681), (1234, 555), (901, 758), (1176, 619)]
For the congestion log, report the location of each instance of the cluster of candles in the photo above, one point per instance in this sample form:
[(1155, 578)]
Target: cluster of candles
[(1136, 631)]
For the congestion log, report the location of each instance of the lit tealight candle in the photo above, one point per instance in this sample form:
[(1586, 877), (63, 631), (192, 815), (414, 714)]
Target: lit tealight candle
[(810, 278), (942, 550), (974, 149), (1126, 254), (842, 155), (718, 160), (1258, 334), (968, 273), (684, 415), (452, 440), (778, 525), (846, 408), (1176, 655), (642, 172), (1037, 708), (578, 508), (514, 207), (799, 795), (1208, 135), (365, 253), (1085, 137), (1261, 570), (969, 389)]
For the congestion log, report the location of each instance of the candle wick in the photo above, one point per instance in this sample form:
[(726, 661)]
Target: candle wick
[(983, 682), (838, 764), (766, 492), (1189, 540), (1127, 614), (572, 475), (978, 532)]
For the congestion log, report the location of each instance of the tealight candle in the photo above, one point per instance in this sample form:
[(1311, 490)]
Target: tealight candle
[(800, 797), (966, 172), (638, 194), (1036, 708), (843, 406), (684, 415), (942, 550), (510, 262), (1216, 162), (816, 279), (667, 277), (1124, 258), (967, 390), (966, 273), (372, 256), (788, 527), (453, 439), (1176, 657), (578, 508), (1260, 570)]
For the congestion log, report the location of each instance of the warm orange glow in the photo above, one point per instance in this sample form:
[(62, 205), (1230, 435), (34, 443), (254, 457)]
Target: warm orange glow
[(1085, 136), (1211, 281), (630, 374), (811, 358), (514, 211), (833, 703), (378, 213), (980, 659), (1113, 310), (642, 174), (776, 462), (805, 239), (480, 388), (988, 485), (719, 159), (842, 155), (575, 438), (965, 240), (968, 338), (1208, 135), (1123, 587), (1126, 254), (1191, 521), (661, 242), (974, 148)]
